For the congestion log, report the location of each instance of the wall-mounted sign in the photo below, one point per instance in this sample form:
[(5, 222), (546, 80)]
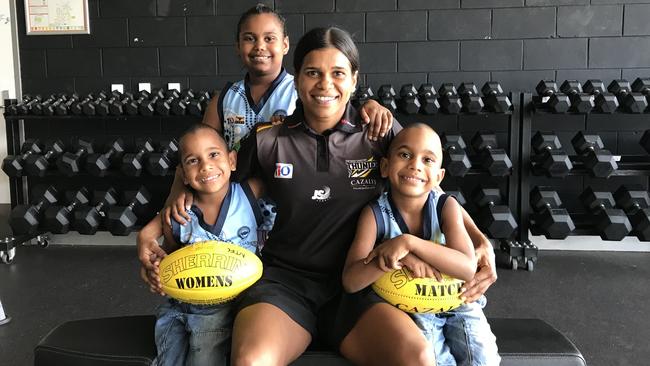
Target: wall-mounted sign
[(45, 17)]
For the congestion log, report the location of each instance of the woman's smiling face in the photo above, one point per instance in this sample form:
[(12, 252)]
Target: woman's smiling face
[(325, 83)]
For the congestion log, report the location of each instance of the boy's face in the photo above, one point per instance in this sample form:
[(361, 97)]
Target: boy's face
[(206, 161), (413, 165), (262, 44)]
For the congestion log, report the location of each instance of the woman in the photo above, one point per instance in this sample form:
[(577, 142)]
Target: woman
[(320, 171)]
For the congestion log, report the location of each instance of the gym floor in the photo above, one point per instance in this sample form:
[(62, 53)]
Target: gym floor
[(597, 299)]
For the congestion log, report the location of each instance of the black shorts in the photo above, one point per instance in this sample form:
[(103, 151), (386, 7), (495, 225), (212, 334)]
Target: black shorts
[(350, 309), (310, 302)]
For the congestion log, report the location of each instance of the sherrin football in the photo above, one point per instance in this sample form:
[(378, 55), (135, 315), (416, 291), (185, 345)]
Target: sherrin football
[(419, 295), (209, 272)]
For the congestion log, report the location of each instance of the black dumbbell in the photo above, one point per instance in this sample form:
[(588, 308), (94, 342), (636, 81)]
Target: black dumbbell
[(610, 223), (14, 165), (469, 98), (549, 156), (49, 107), (386, 97), (580, 102), (494, 218), (37, 165), (89, 108), (87, 219), (605, 102), (103, 108), (458, 194), (76, 107), (165, 159), (133, 164), (63, 108), (642, 86), (25, 219), (58, 218), (632, 102), (455, 160), (494, 97), (71, 163), (39, 107), (428, 99), (26, 108), (645, 141), (20, 107), (117, 107), (164, 105), (197, 106), (408, 102), (147, 108), (493, 159), (179, 107), (554, 221), (449, 101), (599, 161), (122, 219), (551, 98), (132, 107), (635, 201), (98, 164)]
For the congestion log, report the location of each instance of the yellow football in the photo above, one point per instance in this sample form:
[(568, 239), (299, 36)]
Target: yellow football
[(209, 272), (419, 295)]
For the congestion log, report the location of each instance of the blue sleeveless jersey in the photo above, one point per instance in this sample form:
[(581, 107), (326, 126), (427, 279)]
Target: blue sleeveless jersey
[(239, 114), (390, 223), (237, 223)]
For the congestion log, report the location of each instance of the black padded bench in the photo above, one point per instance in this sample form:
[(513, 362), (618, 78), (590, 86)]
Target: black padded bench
[(129, 340)]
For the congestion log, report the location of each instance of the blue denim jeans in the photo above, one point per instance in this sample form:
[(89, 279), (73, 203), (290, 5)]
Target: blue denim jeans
[(193, 334), (461, 336)]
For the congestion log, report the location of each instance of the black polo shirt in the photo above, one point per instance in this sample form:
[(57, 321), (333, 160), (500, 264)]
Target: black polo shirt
[(320, 183)]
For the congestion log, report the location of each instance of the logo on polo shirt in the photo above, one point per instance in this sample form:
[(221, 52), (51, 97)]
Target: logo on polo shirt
[(321, 195), (360, 172), (284, 171), (243, 232)]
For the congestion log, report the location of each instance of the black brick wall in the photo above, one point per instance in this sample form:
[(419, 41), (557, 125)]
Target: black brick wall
[(517, 42)]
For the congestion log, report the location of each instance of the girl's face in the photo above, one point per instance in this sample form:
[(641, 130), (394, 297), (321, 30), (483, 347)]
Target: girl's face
[(206, 162), (262, 44), (325, 83)]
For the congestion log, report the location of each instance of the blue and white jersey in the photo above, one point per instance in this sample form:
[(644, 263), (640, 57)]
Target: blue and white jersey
[(239, 114), (237, 223), (391, 224)]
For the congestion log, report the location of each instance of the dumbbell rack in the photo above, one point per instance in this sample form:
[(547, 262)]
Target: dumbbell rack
[(507, 128), (20, 127), (620, 133)]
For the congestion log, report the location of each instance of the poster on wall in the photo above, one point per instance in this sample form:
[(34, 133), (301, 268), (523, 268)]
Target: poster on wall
[(50, 17)]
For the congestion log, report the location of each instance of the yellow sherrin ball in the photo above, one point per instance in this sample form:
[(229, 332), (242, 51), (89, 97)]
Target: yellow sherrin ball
[(209, 272), (419, 295)]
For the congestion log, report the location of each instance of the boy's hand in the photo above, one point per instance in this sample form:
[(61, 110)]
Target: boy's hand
[(178, 208), (419, 268), (390, 253), (277, 120), (485, 276), (151, 278), (379, 117), (149, 252)]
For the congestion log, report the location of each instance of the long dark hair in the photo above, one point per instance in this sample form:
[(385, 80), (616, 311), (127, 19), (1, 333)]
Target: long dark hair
[(331, 37)]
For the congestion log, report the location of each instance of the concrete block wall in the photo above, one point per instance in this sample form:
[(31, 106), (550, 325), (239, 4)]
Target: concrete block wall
[(517, 42)]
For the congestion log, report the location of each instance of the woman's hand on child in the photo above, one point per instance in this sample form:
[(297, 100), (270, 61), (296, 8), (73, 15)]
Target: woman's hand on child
[(485, 276), (419, 268), (379, 117), (178, 208), (390, 253)]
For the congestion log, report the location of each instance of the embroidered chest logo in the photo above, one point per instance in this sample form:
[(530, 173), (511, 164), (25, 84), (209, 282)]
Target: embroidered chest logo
[(321, 195), (283, 171), (243, 232), (361, 174)]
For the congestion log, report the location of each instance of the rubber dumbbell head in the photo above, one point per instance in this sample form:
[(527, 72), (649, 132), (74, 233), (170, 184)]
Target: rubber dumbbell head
[(122, 219), (59, 219), (408, 99), (25, 219), (599, 161), (428, 99), (455, 159), (71, 163), (160, 163), (14, 165), (471, 101), (554, 221), (494, 97), (610, 223), (133, 164), (87, 219), (98, 164), (493, 159), (496, 219), (37, 165), (449, 101), (552, 160)]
